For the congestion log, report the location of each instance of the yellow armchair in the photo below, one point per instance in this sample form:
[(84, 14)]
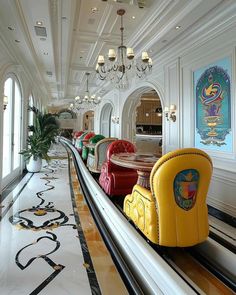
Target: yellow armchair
[(174, 213)]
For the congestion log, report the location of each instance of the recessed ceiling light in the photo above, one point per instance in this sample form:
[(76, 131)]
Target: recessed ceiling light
[(39, 23), (133, 17), (17, 41), (10, 28), (94, 9), (177, 27)]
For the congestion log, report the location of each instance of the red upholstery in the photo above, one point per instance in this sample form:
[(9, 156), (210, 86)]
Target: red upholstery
[(116, 180), (83, 140), (77, 134), (87, 137)]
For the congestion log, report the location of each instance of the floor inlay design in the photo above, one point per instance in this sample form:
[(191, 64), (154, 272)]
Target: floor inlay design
[(57, 268), (46, 257), (55, 217)]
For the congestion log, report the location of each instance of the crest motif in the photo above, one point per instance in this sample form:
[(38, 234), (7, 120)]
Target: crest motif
[(185, 188)]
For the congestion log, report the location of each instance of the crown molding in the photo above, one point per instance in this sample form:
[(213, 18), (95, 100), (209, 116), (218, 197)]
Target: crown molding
[(205, 30), (147, 25)]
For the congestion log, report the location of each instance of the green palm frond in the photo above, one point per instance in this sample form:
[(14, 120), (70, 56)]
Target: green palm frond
[(45, 129)]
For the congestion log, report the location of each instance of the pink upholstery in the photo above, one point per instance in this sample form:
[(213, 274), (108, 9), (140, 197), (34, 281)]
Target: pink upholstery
[(116, 180)]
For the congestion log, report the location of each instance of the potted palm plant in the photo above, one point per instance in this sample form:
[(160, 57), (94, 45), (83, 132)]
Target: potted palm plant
[(43, 133)]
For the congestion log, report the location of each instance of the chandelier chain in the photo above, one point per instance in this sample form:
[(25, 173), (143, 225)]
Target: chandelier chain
[(121, 67)]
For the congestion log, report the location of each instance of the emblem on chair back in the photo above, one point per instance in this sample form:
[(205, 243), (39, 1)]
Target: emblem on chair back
[(185, 188)]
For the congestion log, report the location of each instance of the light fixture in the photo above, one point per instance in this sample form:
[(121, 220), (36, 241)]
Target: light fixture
[(5, 102), (115, 119), (87, 101), (75, 108), (177, 27), (158, 111), (39, 23), (170, 113), (94, 9), (120, 64)]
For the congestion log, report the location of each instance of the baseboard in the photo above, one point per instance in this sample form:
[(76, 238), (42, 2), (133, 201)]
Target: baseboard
[(225, 207), (222, 216)]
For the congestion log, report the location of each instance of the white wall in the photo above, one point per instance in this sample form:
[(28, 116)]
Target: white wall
[(222, 190)]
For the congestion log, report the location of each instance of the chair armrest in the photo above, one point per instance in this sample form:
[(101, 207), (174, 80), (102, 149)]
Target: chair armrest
[(143, 191)]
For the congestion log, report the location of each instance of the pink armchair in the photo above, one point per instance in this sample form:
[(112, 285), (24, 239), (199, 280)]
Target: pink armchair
[(116, 180)]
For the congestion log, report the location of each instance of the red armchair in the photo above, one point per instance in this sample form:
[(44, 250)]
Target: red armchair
[(116, 180), (75, 135), (83, 140)]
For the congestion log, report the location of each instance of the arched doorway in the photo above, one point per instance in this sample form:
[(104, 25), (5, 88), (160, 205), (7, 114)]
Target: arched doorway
[(142, 119), (105, 120), (88, 121)]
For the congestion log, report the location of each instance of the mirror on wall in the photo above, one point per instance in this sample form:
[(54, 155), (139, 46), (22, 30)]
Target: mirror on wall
[(149, 123), (88, 121)]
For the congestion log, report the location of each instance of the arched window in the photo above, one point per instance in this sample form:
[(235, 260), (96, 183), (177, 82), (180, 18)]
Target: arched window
[(11, 130)]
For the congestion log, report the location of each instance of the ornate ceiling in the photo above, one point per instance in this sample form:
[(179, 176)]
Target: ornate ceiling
[(58, 52)]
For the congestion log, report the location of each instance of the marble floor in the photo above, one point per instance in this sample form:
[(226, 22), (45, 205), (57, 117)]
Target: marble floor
[(49, 243)]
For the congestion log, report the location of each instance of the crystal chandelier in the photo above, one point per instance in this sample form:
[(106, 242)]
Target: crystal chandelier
[(121, 67), (74, 107), (87, 101)]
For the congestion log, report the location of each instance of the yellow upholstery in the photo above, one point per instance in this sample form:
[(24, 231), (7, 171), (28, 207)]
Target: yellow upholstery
[(140, 207), (180, 221)]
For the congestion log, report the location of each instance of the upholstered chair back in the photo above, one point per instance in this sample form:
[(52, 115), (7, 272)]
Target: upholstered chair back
[(84, 139), (78, 141), (117, 180), (119, 146), (101, 150), (88, 136), (75, 135), (95, 139), (179, 182), (94, 162), (86, 150)]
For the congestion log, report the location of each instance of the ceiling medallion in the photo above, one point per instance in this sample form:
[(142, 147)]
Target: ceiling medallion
[(121, 66)]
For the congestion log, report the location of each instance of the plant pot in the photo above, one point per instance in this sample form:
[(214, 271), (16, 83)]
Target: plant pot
[(34, 165)]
